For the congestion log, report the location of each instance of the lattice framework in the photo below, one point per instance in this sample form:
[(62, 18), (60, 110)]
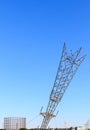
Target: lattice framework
[(69, 64)]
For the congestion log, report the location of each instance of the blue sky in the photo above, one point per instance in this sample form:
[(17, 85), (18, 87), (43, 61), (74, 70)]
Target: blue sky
[(32, 33)]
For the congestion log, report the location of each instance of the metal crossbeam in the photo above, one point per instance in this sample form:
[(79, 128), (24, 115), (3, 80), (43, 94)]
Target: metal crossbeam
[(68, 66)]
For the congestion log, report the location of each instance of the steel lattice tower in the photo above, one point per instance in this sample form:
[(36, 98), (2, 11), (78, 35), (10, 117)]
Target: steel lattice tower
[(68, 66)]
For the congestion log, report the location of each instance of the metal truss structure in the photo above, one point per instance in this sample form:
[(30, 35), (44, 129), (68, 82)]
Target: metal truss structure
[(68, 66)]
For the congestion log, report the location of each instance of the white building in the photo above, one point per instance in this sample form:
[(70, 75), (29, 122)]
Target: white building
[(14, 123)]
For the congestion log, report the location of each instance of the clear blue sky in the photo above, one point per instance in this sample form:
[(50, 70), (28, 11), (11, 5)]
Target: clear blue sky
[(32, 33)]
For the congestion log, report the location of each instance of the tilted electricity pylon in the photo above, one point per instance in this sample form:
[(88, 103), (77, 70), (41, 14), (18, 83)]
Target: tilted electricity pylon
[(68, 66)]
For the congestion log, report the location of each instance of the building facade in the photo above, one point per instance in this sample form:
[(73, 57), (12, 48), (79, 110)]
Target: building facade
[(14, 123)]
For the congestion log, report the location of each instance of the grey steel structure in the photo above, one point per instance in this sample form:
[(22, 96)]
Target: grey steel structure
[(68, 66), (14, 123)]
